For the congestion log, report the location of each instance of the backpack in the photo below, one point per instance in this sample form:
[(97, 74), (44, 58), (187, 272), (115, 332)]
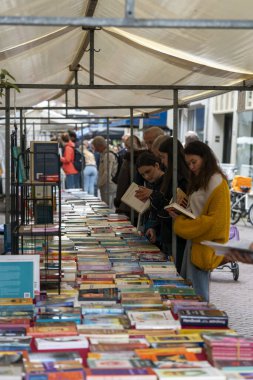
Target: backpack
[(119, 160), (79, 159)]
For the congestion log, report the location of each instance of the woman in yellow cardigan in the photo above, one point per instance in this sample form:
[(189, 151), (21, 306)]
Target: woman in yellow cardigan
[(209, 200)]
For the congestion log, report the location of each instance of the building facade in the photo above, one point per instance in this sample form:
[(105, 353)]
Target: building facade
[(225, 122)]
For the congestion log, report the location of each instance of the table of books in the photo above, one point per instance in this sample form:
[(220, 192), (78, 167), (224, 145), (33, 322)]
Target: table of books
[(123, 311)]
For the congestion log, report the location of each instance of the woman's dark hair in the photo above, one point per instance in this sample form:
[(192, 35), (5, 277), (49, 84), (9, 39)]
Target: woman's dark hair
[(147, 159), (182, 168), (209, 167)]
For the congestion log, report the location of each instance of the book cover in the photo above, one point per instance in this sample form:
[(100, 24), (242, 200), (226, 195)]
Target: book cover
[(242, 246), (123, 363), (120, 373), (19, 276), (42, 357), (52, 329), (15, 343), (210, 317), (105, 294), (12, 331), (74, 374), (64, 342), (190, 338), (190, 374), (164, 354), (130, 199)]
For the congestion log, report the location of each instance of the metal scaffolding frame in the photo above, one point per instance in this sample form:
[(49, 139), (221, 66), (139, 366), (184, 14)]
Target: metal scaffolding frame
[(126, 22), (129, 21)]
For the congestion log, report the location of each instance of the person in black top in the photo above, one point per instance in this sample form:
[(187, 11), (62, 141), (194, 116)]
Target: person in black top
[(149, 167), (159, 199)]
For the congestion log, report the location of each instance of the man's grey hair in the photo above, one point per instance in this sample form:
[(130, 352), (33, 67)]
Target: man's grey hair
[(157, 131), (190, 136)]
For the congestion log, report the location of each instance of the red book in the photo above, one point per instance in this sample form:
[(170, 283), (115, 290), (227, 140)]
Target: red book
[(18, 322)]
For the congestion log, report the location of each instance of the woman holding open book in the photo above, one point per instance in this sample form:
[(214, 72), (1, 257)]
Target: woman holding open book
[(162, 228), (209, 200)]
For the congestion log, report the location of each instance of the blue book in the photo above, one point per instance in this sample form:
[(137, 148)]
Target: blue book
[(16, 279)]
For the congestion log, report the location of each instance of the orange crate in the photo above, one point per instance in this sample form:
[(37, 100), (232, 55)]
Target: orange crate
[(239, 181)]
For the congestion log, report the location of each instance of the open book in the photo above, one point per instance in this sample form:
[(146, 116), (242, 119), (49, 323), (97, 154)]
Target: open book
[(180, 210), (130, 199), (243, 246)]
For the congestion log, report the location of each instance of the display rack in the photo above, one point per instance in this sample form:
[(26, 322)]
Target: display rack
[(36, 211)]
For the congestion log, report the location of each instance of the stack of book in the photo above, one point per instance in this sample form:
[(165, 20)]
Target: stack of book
[(121, 309), (228, 347)]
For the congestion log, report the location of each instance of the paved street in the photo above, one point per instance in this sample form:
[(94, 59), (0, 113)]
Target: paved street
[(236, 297)]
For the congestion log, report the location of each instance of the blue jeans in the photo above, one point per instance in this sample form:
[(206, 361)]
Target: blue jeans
[(72, 181), (90, 175)]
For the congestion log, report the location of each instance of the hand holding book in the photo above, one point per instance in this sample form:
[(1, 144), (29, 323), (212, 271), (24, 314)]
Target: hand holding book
[(241, 250), (179, 207), (143, 193)]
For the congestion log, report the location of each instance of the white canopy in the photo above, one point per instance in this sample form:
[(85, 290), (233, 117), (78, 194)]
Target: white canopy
[(127, 56)]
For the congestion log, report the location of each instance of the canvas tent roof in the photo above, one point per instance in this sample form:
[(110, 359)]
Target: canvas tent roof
[(40, 55)]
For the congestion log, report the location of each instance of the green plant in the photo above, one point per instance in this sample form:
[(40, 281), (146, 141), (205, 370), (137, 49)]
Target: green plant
[(5, 82)]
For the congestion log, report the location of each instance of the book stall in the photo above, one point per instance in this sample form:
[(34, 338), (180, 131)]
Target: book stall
[(122, 312)]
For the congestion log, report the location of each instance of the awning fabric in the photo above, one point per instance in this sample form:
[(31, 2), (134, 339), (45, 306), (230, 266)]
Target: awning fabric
[(126, 56)]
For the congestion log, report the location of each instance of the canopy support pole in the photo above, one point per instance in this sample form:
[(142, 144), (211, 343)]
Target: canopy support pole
[(175, 154), (108, 164), (7, 157), (132, 156)]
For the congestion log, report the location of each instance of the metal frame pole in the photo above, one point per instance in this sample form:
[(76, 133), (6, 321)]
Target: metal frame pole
[(91, 32), (108, 166), (175, 155), (127, 22), (7, 157), (132, 155)]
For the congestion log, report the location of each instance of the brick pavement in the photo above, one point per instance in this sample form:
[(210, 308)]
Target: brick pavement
[(236, 297)]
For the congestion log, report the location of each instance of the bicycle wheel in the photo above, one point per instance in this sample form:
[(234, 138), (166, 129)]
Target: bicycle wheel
[(235, 270), (235, 215), (250, 214)]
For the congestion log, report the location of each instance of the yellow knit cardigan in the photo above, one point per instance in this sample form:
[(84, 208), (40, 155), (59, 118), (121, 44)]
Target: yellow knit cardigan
[(212, 224)]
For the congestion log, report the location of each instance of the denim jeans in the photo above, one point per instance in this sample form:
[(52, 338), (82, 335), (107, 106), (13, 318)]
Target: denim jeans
[(90, 175), (72, 181)]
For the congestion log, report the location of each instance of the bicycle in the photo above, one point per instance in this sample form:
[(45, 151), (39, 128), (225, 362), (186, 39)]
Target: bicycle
[(241, 205)]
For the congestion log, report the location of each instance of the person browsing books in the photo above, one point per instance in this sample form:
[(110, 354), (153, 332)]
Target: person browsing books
[(159, 199), (124, 177), (90, 172), (72, 176), (148, 166), (209, 200), (107, 169)]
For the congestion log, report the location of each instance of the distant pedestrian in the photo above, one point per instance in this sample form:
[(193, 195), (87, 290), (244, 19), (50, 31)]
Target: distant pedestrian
[(107, 169), (72, 175), (90, 173)]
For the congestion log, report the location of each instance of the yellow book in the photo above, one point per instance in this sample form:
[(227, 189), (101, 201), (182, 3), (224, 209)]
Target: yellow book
[(172, 338), (206, 330), (15, 301)]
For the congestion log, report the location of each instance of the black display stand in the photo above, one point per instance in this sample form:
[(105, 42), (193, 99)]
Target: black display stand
[(36, 210)]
